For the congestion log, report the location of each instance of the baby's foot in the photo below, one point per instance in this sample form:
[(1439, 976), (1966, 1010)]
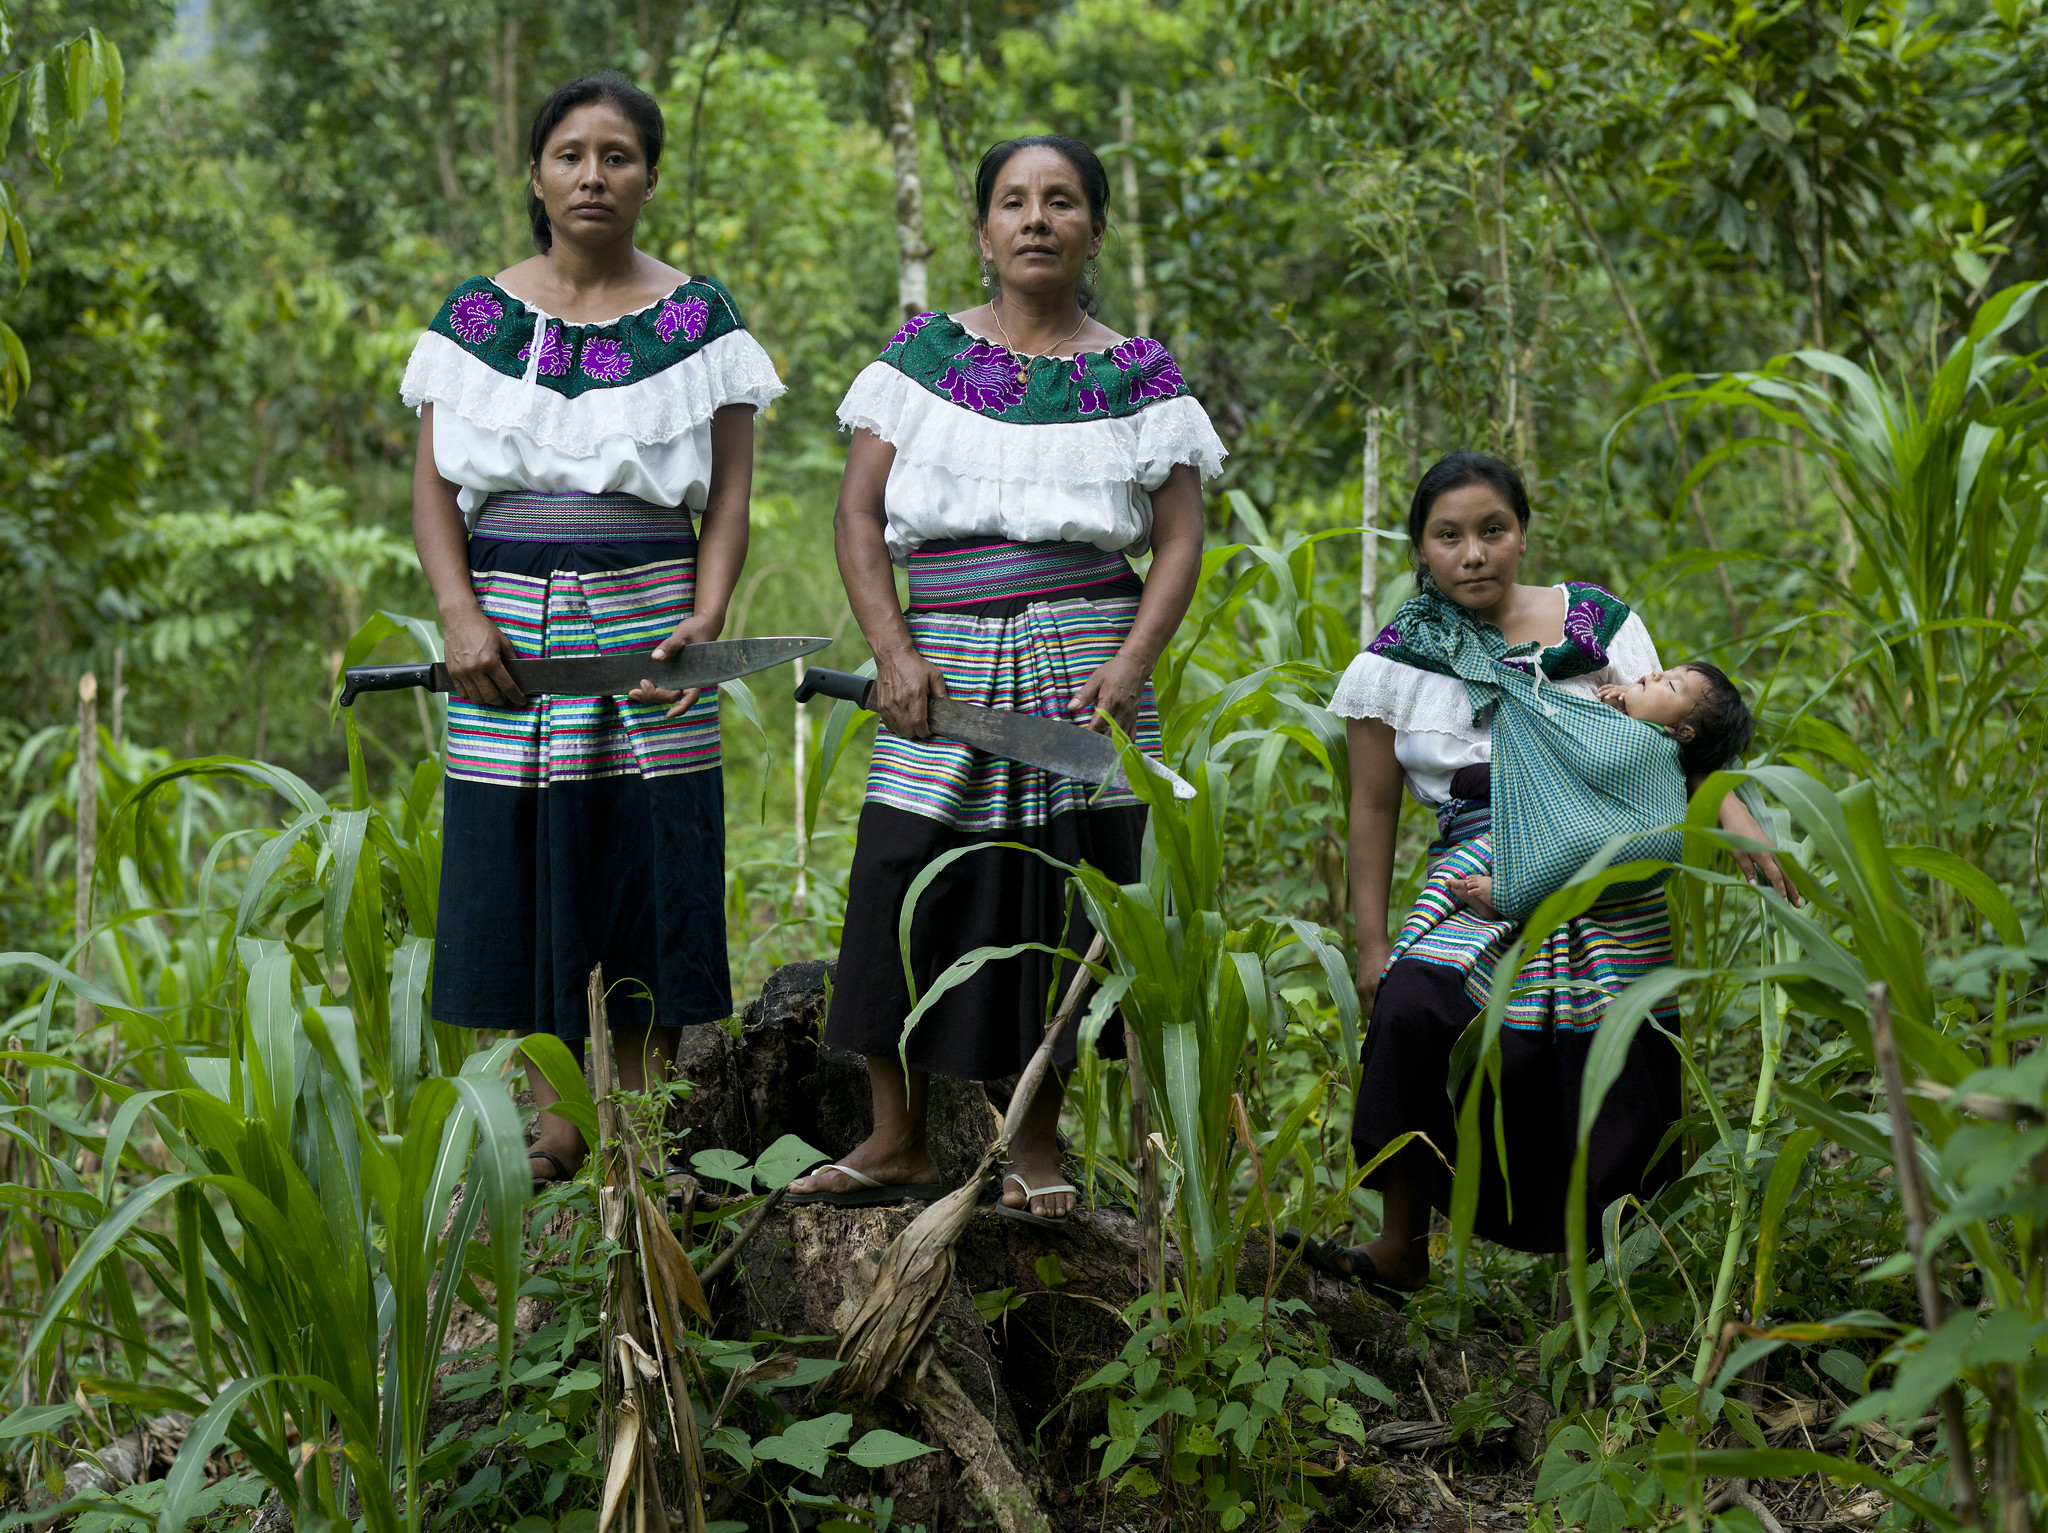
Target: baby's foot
[(1475, 892)]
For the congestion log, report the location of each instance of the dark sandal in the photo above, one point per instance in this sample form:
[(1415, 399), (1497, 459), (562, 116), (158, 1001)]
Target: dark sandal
[(869, 1193), (671, 1195), (1349, 1264), (562, 1172)]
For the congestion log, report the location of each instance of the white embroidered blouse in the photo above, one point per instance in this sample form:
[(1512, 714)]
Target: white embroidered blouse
[(624, 406), (1434, 735), (1070, 454)]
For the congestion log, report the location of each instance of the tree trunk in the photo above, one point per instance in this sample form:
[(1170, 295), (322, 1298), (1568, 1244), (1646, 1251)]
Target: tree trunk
[(1369, 541), (1133, 228), (503, 63), (88, 843), (898, 30)]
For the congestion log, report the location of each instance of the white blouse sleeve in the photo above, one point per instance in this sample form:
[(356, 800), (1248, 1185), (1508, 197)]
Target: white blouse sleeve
[(1406, 698), (1633, 654)]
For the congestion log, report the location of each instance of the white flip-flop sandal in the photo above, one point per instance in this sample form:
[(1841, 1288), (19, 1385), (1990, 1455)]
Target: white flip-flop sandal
[(1024, 1214)]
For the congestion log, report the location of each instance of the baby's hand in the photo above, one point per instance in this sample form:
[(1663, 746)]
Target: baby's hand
[(1611, 694), (1475, 892)]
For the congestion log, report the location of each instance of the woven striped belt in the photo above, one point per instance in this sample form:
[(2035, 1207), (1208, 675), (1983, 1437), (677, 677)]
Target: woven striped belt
[(959, 577), (531, 516)]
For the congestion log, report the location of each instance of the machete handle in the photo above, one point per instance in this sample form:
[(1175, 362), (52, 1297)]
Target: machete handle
[(391, 678), (840, 684)]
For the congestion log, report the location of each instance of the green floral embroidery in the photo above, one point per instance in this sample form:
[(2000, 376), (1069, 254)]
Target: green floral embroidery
[(943, 357), (498, 330)]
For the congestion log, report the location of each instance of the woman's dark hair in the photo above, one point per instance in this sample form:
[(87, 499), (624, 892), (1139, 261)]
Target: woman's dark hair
[(640, 110), (1454, 471), (1720, 722), (1087, 166)]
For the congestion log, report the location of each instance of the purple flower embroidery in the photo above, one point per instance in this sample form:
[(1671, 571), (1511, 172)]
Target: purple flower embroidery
[(1582, 635), (475, 317), (911, 326), (1389, 638), (983, 377), (1091, 399), (690, 316), (1154, 373), (606, 360), (554, 352)]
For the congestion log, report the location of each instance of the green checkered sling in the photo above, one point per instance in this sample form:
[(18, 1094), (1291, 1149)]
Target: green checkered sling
[(1569, 772)]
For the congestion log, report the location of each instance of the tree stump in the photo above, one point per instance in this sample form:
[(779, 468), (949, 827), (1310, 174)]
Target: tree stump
[(1011, 1384)]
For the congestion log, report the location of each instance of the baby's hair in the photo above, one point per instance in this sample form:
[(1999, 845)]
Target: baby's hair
[(1720, 724)]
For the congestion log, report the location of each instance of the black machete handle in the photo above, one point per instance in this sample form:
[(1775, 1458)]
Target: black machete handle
[(841, 684), (391, 678)]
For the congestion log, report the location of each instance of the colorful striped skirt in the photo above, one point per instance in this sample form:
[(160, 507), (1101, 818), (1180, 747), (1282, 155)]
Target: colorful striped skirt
[(1017, 626), (1440, 977), (582, 830)]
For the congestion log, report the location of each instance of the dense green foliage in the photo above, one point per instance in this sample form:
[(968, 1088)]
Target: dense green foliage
[(1746, 288)]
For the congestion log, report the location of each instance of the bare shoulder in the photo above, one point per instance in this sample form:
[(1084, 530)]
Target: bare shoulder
[(523, 277), (1538, 614), (659, 276), (1096, 336)]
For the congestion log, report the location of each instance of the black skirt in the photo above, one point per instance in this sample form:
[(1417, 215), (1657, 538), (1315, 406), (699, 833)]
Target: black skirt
[(988, 1026), (1417, 1018)]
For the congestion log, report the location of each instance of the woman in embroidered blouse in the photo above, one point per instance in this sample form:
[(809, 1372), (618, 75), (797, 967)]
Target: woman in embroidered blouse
[(1011, 458), (1468, 525), (577, 412)]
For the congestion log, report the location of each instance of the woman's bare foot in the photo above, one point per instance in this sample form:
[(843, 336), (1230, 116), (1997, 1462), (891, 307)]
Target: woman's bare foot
[(1035, 1154), (1038, 1166), (556, 1156), (1475, 892), (894, 1163), (1402, 1264)]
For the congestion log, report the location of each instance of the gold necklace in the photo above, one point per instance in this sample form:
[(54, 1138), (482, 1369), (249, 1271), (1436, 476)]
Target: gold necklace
[(1019, 357)]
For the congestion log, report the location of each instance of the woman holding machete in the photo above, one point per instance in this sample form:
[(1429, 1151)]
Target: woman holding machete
[(1011, 458), (578, 412)]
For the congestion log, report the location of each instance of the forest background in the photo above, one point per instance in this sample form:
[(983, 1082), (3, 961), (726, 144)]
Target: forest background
[(1370, 231), (1322, 210)]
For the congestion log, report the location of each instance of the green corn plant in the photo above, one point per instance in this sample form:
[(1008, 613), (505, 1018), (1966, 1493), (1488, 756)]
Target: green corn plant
[(1858, 925), (1942, 496), (1260, 648), (1198, 998), (304, 1208), (300, 1243)]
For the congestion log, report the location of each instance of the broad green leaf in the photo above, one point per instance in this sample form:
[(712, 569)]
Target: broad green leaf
[(30, 1420), (880, 1448)]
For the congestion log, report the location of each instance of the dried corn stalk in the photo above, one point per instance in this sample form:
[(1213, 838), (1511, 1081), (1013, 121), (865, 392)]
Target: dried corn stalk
[(917, 1269), (644, 1337)]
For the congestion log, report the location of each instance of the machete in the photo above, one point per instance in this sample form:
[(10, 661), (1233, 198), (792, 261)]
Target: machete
[(1067, 750), (697, 665)]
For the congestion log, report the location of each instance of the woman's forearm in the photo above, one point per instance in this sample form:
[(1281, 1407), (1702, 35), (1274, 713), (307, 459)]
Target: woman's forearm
[(723, 536), (1176, 566), (861, 546), (1376, 780), (1371, 853), (870, 582)]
